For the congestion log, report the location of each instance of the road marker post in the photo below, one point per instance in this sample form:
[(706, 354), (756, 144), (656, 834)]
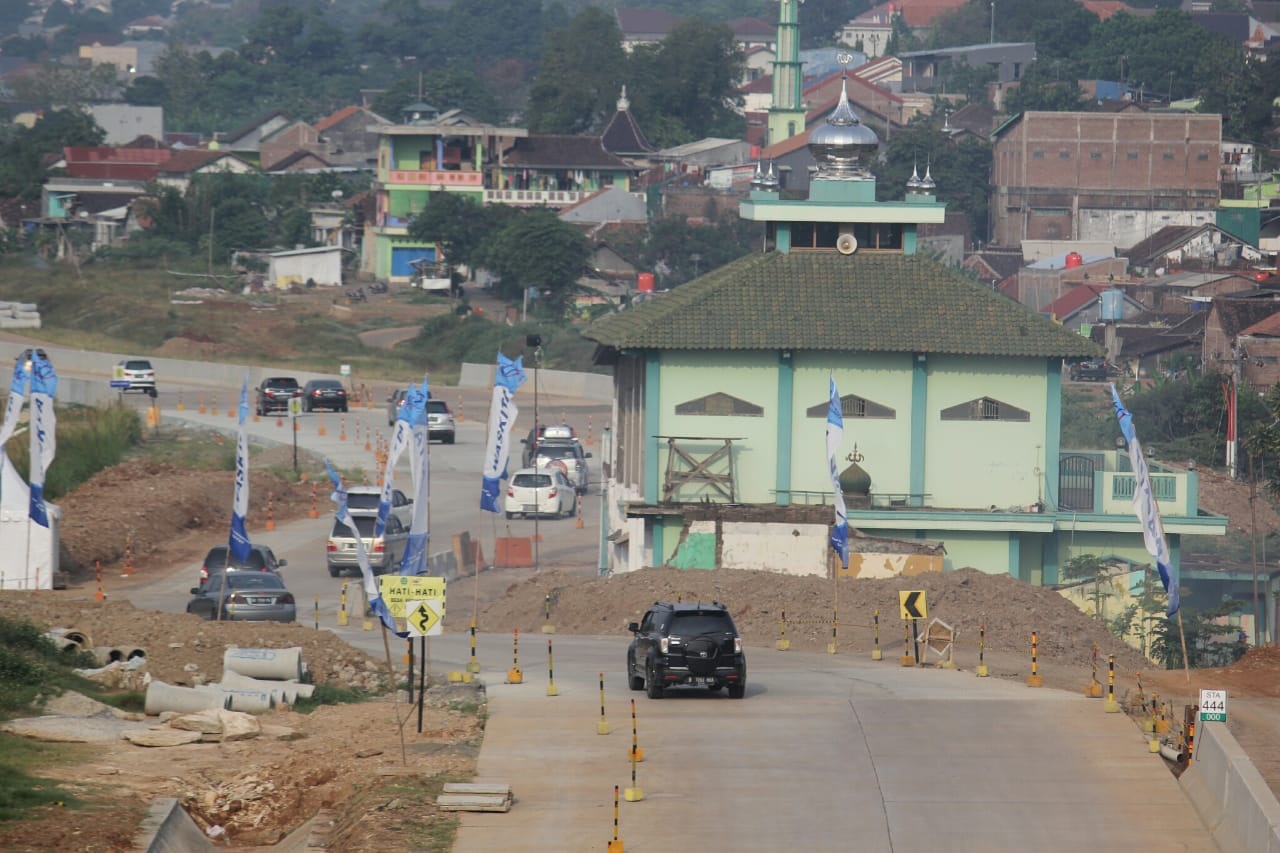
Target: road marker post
[(633, 794), (314, 512), (906, 659), (473, 666), (835, 620), (983, 672), (343, 619), (514, 675), (127, 569), (876, 654), (636, 753), (213, 404), (1112, 706), (547, 627), (202, 408), (615, 846), (1034, 679), (271, 521), (551, 672), (783, 643), (97, 566), (602, 727)]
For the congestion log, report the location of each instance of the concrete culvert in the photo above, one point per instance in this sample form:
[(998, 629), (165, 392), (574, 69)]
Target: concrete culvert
[(275, 664), (163, 697)]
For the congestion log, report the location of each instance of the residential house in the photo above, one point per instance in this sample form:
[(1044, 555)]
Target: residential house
[(950, 396), (1042, 282), (1104, 9), (624, 138), (1086, 305), (185, 164), (320, 266), (994, 266), (1189, 247), (130, 57), (556, 170), (1258, 348), (102, 162), (285, 141), (1188, 292), (930, 70), (430, 152), (1148, 345), (246, 140), (1227, 319), (98, 205), (151, 26), (301, 160), (349, 137), (651, 26), (1102, 176), (601, 216), (1241, 29), (870, 31)]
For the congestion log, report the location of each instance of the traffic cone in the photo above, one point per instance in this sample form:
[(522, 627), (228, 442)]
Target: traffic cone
[(342, 428), (97, 565), (271, 523), (320, 430)]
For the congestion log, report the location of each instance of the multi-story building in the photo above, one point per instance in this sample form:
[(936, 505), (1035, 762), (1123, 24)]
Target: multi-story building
[(1118, 177)]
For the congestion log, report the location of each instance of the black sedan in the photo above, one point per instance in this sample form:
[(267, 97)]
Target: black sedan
[(244, 597), (324, 394)]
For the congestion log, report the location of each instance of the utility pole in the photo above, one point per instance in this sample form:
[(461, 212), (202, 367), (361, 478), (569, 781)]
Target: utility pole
[(993, 22)]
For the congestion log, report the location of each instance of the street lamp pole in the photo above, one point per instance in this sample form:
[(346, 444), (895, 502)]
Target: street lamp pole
[(993, 22), (535, 341)]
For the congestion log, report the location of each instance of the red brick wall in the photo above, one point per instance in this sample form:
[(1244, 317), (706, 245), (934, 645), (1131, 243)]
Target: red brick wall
[(1047, 166)]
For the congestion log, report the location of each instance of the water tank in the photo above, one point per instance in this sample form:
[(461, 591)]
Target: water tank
[(1112, 305), (645, 282), (1074, 260)]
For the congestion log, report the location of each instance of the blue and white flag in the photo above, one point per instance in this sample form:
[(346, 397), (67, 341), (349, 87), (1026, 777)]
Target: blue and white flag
[(1145, 506), (239, 541), (502, 420), (835, 433), (399, 441), (373, 593), (18, 388), (44, 428), (414, 412)]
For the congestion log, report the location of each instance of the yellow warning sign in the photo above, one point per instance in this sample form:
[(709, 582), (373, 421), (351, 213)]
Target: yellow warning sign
[(424, 618), (397, 590), (911, 604)]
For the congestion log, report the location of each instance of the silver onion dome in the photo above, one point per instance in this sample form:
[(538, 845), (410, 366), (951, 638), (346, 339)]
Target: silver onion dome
[(915, 186), (844, 146)]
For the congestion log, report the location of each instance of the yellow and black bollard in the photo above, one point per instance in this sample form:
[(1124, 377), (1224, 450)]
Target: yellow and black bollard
[(408, 663), (1034, 679), (876, 654), (473, 666), (514, 675), (633, 794), (1112, 706), (835, 620), (983, 672), (317, 613), (1190, 715), (551, 672), (615, 846), (636, 753), (783, 643), (343, 618), (547, 627), (602, 727), (906, 659)]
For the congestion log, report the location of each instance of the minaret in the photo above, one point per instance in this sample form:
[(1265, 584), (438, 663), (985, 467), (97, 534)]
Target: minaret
[(786, 114)]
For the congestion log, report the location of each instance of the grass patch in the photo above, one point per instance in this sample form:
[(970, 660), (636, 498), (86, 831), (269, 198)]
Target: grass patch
[(22, 794), (327, 694), (89, 440)]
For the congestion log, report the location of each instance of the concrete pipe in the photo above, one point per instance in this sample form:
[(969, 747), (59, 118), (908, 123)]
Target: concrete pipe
[(131, 652), (275, 664), (63, 644), (163, 697), (1170, 752), (108, 654), (65, 638), (282, 691), (247, 701)]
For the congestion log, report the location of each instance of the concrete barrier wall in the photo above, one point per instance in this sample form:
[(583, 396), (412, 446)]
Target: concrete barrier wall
[(1229, 793), (590, 386)]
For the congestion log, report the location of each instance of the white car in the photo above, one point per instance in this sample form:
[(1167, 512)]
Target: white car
[(540, 491), (364, 500), (134, 374)]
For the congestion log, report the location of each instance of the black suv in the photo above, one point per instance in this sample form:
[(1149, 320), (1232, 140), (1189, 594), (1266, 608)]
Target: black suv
[(686, 644), (275, 393)]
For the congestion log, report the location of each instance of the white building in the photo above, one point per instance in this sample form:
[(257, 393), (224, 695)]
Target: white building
[(323, 266)]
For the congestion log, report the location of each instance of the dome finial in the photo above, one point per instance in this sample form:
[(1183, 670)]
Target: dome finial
[(623, 103), (843, 145)]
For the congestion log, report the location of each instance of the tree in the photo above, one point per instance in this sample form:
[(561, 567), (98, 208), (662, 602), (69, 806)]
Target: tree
[(459, 226), (1036, 93), (22, 169), (68, 85), (1231, 83), (579, 77), (537, 250), (445, 88), (1159, 52), (821, 20), (691, 78)]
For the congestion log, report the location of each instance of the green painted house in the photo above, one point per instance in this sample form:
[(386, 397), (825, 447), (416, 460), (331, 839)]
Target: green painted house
[(951, 395)]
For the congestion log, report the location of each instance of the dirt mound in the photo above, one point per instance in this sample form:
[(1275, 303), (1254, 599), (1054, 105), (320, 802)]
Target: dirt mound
[(964, 599)]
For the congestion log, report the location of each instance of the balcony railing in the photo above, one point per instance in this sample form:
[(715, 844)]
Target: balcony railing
[(535, 198), (442, 178), (1103, 482)]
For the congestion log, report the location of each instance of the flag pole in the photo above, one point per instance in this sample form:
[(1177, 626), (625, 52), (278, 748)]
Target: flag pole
[(1186, 664)]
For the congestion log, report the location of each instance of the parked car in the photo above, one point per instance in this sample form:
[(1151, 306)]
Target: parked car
[(686, 644), (135, 374), (384, 552), (365, 499), (1089, 371), (440, 423), (261, 559), (567, 453), (245, 597), (324, 394), (275, 392), (539, 491)]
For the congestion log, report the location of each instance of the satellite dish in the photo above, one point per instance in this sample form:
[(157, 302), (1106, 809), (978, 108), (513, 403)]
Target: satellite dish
[(846, 244)]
